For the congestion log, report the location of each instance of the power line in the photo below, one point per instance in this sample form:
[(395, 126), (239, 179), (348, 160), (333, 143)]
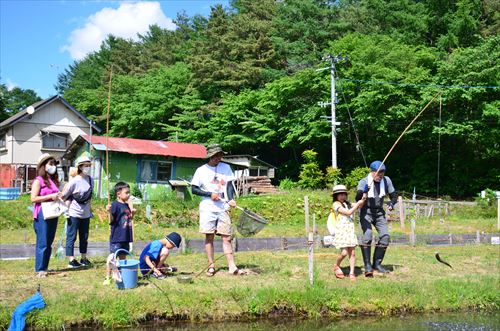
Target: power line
[(376, 82)]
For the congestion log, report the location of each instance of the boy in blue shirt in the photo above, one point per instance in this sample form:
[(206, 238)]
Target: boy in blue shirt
[(120, 225), (153, 256)]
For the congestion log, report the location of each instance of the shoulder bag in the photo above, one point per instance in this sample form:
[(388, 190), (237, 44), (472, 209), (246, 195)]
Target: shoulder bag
[(53, 209)]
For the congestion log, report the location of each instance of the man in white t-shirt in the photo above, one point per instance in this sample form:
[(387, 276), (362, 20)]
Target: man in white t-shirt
[(212, 181)]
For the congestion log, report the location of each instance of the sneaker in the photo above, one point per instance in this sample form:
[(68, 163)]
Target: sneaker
[(74, 264), (158, 277), (85, 262), (107, 281)]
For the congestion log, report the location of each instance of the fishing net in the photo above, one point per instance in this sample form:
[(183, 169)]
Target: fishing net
[(250, 223)]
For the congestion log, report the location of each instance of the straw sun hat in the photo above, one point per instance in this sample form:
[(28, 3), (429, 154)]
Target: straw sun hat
[(339, 189)]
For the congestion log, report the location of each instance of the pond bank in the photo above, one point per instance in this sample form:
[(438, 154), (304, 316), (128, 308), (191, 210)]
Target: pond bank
[(276, 286)]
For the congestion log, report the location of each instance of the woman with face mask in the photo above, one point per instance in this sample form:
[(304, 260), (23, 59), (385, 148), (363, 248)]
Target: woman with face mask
[(44, 188), (79, 193)]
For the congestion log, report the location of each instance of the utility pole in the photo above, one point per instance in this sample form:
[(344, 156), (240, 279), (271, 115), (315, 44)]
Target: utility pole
[(333, 101)]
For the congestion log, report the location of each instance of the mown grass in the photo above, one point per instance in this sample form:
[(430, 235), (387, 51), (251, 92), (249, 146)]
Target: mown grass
[(276, 286), (284, 211)]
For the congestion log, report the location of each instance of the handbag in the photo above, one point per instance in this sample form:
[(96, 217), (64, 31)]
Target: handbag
[(53, 209)]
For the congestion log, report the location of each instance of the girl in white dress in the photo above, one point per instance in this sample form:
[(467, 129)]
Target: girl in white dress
[(345, 236)]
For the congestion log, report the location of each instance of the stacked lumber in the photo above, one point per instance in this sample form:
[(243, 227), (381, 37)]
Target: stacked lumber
[(259, 185)]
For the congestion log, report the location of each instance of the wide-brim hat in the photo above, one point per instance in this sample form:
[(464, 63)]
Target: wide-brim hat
[(44, 157), (174, 238), (339, 189), (214, 149), (377, 166), (82, 160)]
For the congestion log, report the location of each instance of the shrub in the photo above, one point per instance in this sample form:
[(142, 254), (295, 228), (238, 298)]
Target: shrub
[(287, 184), (356, 174), (135, 191), (310, 173), (333, 176)]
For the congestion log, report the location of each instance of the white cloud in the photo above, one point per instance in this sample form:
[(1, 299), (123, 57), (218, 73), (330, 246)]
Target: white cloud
[(125, 21), (10, 84)]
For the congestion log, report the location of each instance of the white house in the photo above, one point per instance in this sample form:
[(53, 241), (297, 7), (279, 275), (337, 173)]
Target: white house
[(47, 126)]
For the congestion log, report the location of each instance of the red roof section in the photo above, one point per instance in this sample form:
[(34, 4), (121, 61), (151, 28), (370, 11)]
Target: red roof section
[(150, 147)]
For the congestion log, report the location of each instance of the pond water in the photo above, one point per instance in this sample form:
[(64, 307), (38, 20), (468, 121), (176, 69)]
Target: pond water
[(442, 322)]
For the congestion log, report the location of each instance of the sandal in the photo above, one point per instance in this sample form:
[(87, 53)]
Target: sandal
[(238, 272), (210, 272), (338, 272), (352, 277)]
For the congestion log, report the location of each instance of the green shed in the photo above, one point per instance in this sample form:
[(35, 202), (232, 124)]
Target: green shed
[(146, 163)]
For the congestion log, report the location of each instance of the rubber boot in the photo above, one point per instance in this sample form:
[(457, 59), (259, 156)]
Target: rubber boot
[(366, 251), (378, 256)]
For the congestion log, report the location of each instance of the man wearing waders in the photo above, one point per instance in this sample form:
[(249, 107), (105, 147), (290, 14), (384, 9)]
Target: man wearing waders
[(375, 186)]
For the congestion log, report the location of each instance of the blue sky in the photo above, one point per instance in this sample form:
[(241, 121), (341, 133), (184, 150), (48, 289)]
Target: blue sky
[(39, 39)]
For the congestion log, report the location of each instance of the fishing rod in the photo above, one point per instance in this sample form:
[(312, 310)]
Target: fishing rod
[(406, 129), (107, 136)]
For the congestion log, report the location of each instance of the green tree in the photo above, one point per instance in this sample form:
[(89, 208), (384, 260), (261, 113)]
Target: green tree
[(310, 173), (235, 50), (14, 100)]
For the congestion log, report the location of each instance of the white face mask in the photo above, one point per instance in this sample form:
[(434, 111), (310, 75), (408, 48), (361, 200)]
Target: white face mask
[(86, 170), (51, 169)]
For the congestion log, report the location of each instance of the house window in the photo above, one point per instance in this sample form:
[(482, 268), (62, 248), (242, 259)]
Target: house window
[(55, 140), (257, 172), (156, 171), (3, 140)]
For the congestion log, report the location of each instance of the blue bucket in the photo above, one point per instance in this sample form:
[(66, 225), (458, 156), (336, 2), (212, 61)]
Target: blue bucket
[(128, 270)]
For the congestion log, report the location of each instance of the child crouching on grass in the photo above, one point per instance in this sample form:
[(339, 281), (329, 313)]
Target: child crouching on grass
[(120, 225), (154, 255), (345, 236)]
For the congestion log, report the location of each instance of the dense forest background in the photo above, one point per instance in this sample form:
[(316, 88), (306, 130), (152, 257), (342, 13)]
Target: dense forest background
[(246, 77)]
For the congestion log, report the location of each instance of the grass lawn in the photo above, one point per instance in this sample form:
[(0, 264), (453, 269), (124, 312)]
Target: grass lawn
[(284, 212), (276, 284)]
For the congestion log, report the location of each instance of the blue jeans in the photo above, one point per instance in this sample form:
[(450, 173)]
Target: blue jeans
[(82, 226), (45, 233)]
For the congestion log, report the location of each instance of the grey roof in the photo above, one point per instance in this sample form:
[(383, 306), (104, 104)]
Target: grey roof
[(232, 159), (39, 105)]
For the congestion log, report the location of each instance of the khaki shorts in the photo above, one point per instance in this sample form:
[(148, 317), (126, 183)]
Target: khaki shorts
[(215, 222)]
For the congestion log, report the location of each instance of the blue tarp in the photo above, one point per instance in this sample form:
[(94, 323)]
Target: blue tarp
[(19, 315)]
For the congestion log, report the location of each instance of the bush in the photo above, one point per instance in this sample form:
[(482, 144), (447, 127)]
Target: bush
[(135, 191), (333, 176), (287, 184), (310, 173), (356, 174)]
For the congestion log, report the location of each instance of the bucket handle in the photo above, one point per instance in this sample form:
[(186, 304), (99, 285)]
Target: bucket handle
[(122, 249)]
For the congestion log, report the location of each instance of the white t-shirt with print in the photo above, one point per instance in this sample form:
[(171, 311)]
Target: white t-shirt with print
[(214, 180)]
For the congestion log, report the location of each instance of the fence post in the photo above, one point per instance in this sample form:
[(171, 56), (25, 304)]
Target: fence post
[(306, 212), (310, 244), (412, 232), (401, 211), (478, 237), (315, 232), (450, 237)]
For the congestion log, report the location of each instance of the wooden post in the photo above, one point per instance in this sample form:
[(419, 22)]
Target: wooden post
[(450, 238), (498, 212), (478, 237), (310, 243), (306, 211), (284, 243), (315, 231), (183, 246), (401, 211), (431, 211), (412, 232)]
